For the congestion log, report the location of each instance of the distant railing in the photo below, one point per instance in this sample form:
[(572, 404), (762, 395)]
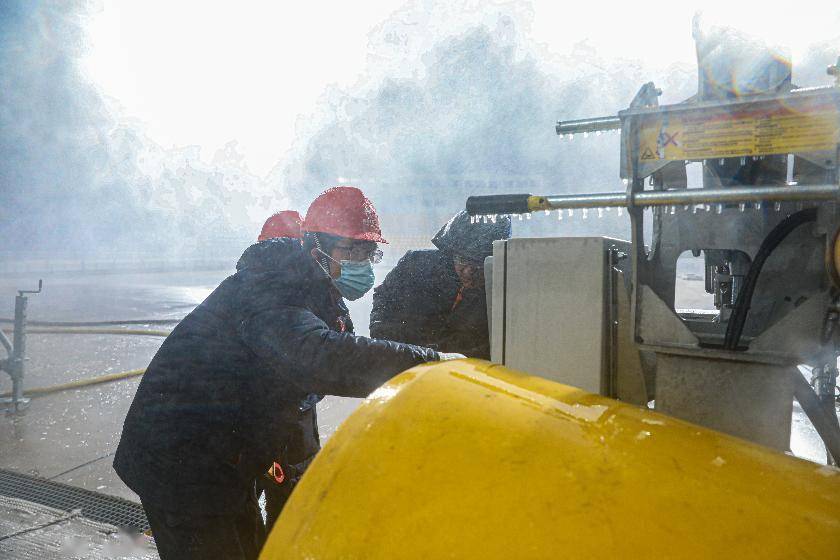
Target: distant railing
[(122, 262), (110, 266)]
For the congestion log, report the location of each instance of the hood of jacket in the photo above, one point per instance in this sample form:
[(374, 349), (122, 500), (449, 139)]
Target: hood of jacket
[(276, 254), (280, 268)]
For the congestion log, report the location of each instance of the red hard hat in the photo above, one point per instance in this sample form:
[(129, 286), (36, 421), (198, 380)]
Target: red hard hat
[(281, 224), (344, 212)]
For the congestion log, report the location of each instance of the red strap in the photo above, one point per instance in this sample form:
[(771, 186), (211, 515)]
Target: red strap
[(277, 473)]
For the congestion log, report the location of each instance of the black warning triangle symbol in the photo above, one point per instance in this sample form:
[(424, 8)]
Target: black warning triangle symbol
[(648, 154)]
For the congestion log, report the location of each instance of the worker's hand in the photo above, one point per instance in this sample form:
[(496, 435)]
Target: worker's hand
[(446, 356)]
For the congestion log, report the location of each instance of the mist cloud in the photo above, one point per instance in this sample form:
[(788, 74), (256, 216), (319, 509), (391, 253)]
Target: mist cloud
[(78, 180), (477, 118), (456, 100)]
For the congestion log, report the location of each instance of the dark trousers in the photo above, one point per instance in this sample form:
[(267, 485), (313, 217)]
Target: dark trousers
[(235, 535), (276, 496)]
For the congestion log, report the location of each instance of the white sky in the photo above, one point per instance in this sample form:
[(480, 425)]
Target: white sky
[(204, 73)]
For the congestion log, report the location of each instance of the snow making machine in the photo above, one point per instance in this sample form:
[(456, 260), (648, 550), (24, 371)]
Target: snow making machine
[(611, 422)]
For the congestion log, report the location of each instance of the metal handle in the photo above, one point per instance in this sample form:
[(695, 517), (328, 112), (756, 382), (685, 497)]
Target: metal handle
[(504, 204), (38, 291), (598, 124), (498, 204)]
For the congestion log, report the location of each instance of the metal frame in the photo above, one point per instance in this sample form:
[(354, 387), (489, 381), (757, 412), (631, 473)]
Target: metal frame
[(746, 192), (15, 364)]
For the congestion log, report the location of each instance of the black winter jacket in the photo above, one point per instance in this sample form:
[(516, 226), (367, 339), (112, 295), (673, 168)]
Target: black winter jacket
[(222, 395), (417, 301), (415, 305)]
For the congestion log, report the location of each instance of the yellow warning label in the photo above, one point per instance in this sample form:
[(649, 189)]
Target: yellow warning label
[(763, 128)]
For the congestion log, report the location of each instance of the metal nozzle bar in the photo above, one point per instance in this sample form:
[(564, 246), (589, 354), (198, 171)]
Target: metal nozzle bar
[(594, 200), (479, 205), (737, 194), (598, 124)]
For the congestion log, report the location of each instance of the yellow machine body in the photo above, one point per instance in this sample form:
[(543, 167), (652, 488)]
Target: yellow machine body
[(467, 459)]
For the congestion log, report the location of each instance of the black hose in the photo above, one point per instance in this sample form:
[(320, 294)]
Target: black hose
[(73, 514), (86, 463), (735, 328), (95, 323), (824, 422)]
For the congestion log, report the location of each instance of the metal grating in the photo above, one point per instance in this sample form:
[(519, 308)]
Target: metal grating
[(93, 505), (30, 531)]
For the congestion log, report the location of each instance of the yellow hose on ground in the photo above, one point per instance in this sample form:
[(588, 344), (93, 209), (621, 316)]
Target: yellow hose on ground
[(107, 378), (72, 330)]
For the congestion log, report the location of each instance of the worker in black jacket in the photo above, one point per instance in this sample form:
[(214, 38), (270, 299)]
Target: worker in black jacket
[(303, 443), (436, 298), (216, 404)]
